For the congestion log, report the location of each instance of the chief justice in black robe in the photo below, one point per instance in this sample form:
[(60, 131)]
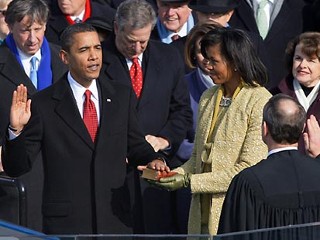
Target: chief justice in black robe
[(283, 189)]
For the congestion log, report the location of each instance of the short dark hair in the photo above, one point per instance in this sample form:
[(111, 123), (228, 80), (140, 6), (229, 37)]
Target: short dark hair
[(37, 10), (237, 49), (70, 31), (310, 42), (284, 127)]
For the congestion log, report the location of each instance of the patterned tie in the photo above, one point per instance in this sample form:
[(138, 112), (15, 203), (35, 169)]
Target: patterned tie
[(136, 76), (262, 19), (90, 117), (33, 71), (175, 37)]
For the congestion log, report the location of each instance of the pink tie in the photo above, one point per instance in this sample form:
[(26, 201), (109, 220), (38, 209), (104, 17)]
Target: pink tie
[(90, 117), (136, 76)]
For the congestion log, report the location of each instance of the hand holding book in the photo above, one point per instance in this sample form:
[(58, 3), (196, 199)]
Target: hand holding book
[(173, 182)]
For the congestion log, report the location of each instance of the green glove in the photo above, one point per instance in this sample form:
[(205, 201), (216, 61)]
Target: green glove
[(174, 182)]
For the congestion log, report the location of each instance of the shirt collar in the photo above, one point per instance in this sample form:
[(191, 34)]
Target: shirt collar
[(281, 149), (24, 56), (80, 16), (79, 90)]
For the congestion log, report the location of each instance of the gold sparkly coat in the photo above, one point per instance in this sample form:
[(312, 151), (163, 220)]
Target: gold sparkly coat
[(236, 144)]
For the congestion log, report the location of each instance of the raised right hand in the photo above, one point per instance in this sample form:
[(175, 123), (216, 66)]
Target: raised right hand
[(20, 111)]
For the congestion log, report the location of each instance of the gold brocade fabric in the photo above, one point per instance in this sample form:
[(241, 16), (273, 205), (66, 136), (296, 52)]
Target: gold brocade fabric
[(237, 145), (205, 205), (218, 115)]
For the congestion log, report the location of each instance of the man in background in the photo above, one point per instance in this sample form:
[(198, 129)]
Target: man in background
[(162, 101), (68, 12), (27, 58), (174, 21)]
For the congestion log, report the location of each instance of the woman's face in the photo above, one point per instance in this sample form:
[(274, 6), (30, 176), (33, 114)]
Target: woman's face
[(305, 69), (201, 61), (220, 70)]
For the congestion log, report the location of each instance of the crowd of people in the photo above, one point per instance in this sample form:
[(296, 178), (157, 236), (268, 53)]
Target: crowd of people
[(223, 92)]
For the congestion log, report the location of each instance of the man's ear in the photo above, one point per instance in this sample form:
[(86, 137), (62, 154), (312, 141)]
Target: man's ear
[(265, 129), (64, 56), (115, 28)]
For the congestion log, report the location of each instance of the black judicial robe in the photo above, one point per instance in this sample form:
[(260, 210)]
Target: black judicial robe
[(282, 190)]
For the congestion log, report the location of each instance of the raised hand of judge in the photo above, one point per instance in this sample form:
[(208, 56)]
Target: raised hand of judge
[(20, 112), (173, 183), (312, 137)]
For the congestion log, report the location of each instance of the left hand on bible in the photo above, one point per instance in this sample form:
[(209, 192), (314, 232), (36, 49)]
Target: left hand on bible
[(156, 164), (173, 183)]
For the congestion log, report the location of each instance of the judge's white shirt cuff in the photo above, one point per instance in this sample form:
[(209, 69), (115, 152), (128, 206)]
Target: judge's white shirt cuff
[(12, 134)]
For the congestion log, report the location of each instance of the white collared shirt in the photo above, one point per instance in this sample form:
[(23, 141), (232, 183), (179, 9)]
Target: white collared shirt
[(182, 33), (25, 60), (129, 61), (78, 93), (281, 149), (80, 16)]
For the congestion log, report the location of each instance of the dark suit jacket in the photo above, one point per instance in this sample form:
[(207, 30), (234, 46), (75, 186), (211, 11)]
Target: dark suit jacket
[(83, 187), (287, 25), (163, 110), (57, 21), (11, 75), (164, 106), (279, 191)]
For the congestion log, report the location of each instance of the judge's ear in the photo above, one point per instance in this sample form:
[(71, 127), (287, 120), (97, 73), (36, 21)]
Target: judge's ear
[(265, 129)]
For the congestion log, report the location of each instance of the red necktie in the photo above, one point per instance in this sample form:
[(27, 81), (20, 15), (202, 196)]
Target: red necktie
[(136, 76), (175, 37), (90, 117)]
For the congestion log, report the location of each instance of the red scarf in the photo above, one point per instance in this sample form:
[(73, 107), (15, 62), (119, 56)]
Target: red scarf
[(87, 13)]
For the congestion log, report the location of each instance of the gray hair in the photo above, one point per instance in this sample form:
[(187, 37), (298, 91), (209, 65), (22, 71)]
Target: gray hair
[(135, 14), (37, 10)]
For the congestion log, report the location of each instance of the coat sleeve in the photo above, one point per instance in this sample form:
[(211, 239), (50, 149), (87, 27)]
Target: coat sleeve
[(18, 154)]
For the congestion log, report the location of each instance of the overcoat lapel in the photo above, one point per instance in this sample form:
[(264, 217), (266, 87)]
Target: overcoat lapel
[(151, 79), (14, 72), (67, 110)]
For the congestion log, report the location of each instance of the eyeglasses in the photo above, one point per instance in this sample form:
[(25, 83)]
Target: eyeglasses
[(3, 12)]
